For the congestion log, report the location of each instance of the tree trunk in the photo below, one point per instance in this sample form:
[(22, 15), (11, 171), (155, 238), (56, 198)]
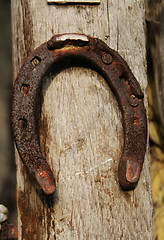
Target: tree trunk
[(81, 132)]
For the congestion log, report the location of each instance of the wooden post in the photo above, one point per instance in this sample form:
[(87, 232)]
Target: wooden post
[(80, 128)]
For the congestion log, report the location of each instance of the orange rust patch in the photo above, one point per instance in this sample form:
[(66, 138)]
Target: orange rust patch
[(45, 182)]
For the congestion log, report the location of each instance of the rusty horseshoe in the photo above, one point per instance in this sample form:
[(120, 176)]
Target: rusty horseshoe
[(119, 77)]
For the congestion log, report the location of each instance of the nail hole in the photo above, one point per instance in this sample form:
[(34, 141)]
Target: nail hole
[(35, 61), (123, 79), (25, 88), (22, 123)]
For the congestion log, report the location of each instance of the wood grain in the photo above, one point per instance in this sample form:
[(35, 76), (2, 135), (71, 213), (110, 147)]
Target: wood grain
[(80, 128)]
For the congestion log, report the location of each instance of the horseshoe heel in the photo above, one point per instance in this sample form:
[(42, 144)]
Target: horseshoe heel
[(119, 77)]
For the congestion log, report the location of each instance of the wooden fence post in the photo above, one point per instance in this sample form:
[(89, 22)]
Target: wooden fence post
[(81, 132)]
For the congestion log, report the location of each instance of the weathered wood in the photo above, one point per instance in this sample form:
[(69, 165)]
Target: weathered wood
[(80, 128)]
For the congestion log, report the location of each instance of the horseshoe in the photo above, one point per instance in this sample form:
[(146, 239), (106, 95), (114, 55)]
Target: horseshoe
[(119, 77)]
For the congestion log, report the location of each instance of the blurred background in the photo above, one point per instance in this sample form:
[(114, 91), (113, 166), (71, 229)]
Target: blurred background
[(7, 165), (155, 62)]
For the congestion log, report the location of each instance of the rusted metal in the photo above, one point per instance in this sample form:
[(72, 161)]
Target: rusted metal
[(8, 231), (106, 58), (119, 77), (12, 232)]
